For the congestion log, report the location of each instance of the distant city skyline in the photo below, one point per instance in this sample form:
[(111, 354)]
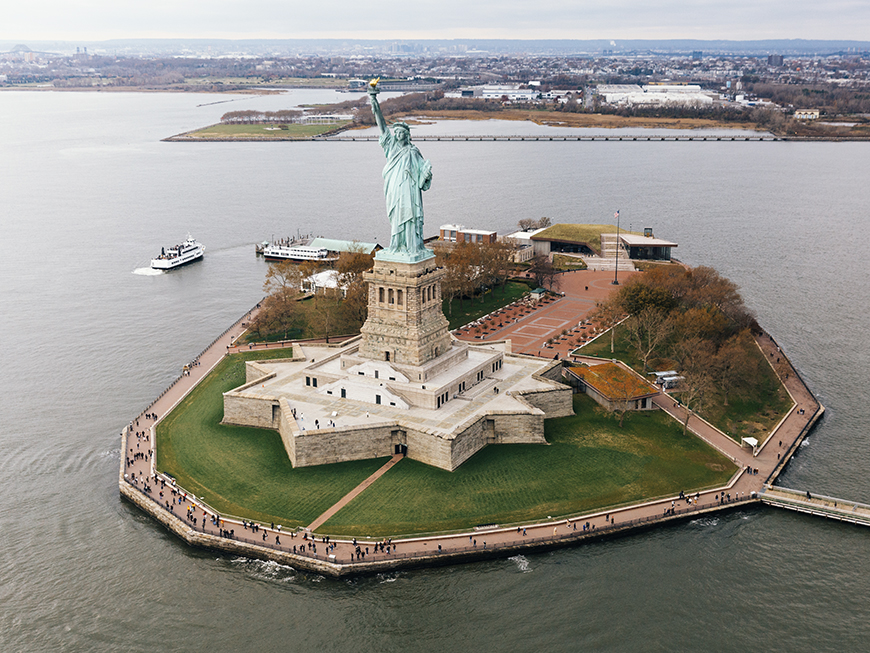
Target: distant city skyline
[(98, 20)]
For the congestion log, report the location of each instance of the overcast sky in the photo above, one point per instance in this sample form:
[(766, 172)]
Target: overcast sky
[(22, 20)]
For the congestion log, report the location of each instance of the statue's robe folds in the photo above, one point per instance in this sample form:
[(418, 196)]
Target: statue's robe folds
[(406, 175)]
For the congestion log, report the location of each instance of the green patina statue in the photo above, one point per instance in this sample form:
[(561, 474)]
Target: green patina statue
[(406, 175)]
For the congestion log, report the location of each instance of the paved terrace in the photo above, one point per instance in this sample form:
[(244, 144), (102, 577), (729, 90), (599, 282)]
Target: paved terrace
[(530, 327), (315, 411), (151, 491)]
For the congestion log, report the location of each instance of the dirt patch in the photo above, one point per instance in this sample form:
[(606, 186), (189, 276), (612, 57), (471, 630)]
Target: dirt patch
[(576, 119)]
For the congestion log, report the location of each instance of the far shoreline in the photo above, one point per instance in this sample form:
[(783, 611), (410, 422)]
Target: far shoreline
[(570, 121)]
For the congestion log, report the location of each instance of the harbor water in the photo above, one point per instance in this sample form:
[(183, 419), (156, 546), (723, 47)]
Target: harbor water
[(88, 337)]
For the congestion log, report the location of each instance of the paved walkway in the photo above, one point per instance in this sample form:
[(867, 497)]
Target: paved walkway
[(350, 496)]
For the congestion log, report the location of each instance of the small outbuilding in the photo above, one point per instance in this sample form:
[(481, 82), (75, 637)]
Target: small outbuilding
[(613, 385), (538, 294)]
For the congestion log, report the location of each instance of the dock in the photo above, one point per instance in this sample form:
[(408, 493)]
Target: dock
[(816, 504)]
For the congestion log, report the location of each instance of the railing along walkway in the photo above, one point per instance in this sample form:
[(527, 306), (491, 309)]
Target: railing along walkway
[(817, 504)]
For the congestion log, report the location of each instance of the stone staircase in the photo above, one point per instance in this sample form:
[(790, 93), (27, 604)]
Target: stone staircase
[(607, 260)]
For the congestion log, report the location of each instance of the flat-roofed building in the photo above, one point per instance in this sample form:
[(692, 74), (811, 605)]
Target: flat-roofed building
[(647, 247), (457, 233), (631, 94), (613, 385)]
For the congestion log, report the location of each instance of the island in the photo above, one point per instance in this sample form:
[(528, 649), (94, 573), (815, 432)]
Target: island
[(652, 397)]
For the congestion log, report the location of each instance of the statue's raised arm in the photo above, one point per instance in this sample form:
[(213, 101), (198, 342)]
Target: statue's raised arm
[(376, 106), (406, 175)]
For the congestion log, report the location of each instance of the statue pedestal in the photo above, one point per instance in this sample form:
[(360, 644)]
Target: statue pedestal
[(404, 257), (405, 325)]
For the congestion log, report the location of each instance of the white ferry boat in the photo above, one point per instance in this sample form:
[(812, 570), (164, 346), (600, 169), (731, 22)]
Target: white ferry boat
[(187, 252), (296, 253)]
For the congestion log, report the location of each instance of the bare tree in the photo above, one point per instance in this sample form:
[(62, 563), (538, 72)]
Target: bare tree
[(544, 273), (647, 331), (526, 224), (735, 365), (695, 389), (609, 313), (350, 267), (280, 309)]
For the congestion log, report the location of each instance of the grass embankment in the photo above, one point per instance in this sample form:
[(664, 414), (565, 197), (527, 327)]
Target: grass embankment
[(261, 131), (753, 413), (567, 263), (582, 233), (590, 464), (472, 309), (245, 471)]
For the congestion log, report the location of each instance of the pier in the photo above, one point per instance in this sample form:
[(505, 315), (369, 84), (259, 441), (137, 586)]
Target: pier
[(816, 504)]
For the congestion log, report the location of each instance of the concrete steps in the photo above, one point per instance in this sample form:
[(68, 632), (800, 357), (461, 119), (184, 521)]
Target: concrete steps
[(608, 259)]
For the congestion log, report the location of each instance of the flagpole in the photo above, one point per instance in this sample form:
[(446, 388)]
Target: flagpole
[(615, 281)]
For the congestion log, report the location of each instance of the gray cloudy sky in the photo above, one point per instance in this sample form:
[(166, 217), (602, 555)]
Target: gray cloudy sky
[(394, 19)]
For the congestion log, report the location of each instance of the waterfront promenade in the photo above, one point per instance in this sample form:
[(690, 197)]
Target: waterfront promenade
[(195, 522)]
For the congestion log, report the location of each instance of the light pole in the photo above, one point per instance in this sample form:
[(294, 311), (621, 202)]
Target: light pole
[(615, 281)]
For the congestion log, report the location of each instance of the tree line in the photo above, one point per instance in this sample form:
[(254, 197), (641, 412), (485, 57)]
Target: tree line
[(472, 268), (251, 116), (288, 312), (695, 319)]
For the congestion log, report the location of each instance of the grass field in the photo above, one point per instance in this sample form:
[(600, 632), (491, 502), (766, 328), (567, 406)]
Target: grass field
[(590, 464), (566, 119), (245, 471), (754, 414), (471, 309), (263, 130)]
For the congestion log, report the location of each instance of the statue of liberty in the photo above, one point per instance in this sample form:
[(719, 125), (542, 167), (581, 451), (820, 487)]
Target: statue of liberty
[(406, 175)]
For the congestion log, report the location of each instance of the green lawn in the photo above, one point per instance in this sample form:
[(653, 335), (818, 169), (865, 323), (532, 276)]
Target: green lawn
[(590, 464), (245, 471), (754, 414), (263, 130), (562, 262), (471, 309)]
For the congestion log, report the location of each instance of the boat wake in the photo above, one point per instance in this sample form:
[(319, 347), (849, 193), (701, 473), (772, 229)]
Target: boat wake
[(521, 562), (266, 570), (147, 272)]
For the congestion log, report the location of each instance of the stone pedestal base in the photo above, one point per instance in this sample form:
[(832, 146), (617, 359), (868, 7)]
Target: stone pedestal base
[(405, 324)]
